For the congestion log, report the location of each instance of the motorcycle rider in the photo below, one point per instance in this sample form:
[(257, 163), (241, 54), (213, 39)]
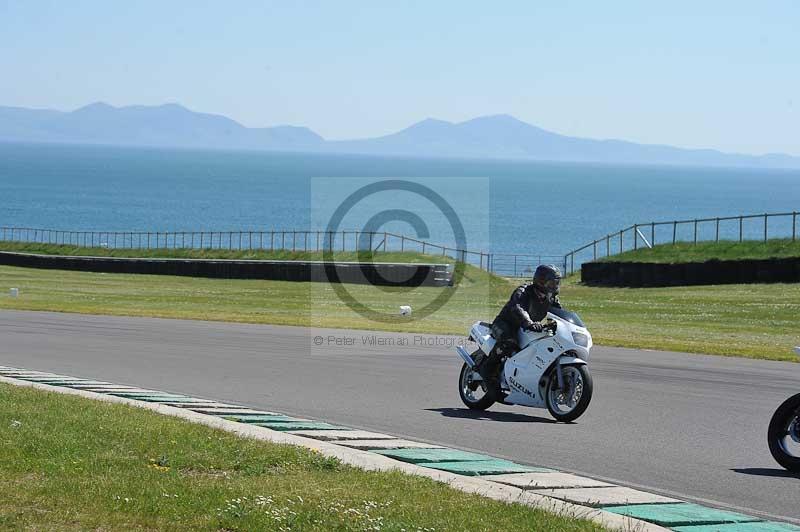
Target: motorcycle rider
[(526, 308)]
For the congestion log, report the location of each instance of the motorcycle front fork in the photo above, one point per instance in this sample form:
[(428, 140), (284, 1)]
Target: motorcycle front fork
[(559, 376)]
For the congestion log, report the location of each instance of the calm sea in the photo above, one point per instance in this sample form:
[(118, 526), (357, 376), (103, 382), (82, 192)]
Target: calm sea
[(524, 207)]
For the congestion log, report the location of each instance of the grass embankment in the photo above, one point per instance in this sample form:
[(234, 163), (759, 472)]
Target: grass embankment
[(69, 463), (703, 251), (248, 254), (757, 321)]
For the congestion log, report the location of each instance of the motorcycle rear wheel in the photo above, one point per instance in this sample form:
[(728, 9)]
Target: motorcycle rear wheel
[(783, 433), (468, 386)]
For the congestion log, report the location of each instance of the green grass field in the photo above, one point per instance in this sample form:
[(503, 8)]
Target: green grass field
[(703, 251), (757, 321), (69, 463)]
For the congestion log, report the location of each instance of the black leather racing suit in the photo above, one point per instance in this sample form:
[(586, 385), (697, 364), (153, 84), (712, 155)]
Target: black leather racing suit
[(524, 307)]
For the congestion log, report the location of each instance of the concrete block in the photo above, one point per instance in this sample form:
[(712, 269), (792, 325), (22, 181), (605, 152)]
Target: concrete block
[(615, 495), (548, 480), (263, 418), (368, 445), (763, 526), (329, 435), (480, 467), (298, 425), (680, 514), (420, 456), (216, 410)]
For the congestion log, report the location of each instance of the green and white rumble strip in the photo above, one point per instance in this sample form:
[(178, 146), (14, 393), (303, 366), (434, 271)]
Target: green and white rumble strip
[(614, 506)]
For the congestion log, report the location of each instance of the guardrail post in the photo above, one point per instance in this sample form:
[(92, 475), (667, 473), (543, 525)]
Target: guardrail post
[(635, 237), (608, 245), (402, 243), (794, 226), (652, 233), (674, 231), (385, 237), (741, 233), (695, 231), (716, 239), (765, 227), (594, 249)]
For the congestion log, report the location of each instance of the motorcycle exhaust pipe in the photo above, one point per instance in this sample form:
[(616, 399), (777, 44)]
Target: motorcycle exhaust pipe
[(463, 354)]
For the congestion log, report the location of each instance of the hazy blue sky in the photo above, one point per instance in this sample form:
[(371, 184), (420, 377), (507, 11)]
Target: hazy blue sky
[(721, 74)]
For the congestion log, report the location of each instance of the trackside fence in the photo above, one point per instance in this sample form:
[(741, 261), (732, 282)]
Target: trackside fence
[(274, 240), (743, 227), (732, 228)]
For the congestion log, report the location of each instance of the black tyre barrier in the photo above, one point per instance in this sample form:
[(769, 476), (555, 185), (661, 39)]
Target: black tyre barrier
[(381, 274), (745, 271)]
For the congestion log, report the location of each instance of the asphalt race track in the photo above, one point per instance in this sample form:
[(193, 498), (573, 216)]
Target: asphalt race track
[(690, 426)]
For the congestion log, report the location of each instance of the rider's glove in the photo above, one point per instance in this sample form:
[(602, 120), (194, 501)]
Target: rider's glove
[(534, 326)]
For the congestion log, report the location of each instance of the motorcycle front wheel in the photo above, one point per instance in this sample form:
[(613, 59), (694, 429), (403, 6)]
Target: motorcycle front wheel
[(567, 404), (783, 434), (474, 392)]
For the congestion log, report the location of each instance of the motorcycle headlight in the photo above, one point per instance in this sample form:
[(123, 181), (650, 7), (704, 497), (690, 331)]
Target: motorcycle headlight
[(580, 339)]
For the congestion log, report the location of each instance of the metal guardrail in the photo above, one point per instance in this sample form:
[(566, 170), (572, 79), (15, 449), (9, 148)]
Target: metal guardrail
[(521, 265), (701, 230), (273, 240), (506, 264)]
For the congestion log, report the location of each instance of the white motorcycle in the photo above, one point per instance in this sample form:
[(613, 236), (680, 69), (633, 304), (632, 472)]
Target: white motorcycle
[(549, 370)]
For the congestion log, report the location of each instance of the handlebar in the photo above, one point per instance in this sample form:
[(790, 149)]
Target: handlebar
[(549, 325)]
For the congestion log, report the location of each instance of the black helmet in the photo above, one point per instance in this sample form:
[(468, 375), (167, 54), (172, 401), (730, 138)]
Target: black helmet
[(547, 279)]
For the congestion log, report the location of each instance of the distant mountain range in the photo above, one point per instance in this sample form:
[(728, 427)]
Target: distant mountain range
[(488, 137)]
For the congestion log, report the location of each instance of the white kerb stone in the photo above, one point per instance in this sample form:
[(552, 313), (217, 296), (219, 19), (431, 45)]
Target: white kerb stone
[(534, 481)]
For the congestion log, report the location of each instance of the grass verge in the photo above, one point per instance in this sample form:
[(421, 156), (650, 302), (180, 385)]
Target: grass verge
[(252, 254), (756, 321), (69, 463), (703, 251)]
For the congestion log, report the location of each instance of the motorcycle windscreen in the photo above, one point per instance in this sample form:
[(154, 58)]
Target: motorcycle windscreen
[(567, 315)]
